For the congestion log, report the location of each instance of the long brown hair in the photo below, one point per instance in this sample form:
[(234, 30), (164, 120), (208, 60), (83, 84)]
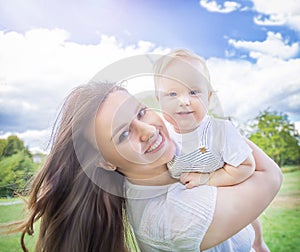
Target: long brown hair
[(76, 214)]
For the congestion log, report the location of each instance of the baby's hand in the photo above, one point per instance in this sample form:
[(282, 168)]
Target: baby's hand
[(193, 179)]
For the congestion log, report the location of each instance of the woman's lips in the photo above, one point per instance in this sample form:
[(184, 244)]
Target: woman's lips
[(156, 144)]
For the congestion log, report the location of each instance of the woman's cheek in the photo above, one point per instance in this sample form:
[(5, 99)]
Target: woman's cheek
[(129, 152)]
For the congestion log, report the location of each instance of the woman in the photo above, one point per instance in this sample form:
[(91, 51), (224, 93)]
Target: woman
[(131, 141)]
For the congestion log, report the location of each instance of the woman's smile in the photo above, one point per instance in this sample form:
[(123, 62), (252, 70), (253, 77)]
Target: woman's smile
[(156, 144)]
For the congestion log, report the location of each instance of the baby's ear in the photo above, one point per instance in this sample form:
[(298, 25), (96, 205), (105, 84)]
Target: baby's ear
[(209, 95), (157, 95), (107, 166)]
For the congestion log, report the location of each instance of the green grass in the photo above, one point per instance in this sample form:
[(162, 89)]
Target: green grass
[(11, 213), (8, 214), (11, 243), (281, 220), (290, 168), (9, 199)]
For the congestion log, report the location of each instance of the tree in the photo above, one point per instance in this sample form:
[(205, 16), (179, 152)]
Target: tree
[(277, 136), (3, 143), (16, 166), (15, 172), (13, 146)]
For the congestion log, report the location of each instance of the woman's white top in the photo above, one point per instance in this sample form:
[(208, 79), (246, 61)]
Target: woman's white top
[(173, 218)]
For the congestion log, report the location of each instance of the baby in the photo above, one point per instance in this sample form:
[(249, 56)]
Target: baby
[(209, 150)]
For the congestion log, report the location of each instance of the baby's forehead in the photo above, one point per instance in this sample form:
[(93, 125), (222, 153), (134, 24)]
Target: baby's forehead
[(182, 82), (183, 63), (178, 68)]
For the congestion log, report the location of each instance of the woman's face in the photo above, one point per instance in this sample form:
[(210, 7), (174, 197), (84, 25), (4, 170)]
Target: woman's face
[(132, 137)]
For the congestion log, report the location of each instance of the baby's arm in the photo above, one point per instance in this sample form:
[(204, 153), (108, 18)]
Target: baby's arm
[(226, 176), (230, 175)]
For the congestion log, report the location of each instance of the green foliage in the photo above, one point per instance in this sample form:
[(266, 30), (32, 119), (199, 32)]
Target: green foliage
[(13, 145), (16, 166), (3, 143), (15, 171), (290, 168), (274, 133)]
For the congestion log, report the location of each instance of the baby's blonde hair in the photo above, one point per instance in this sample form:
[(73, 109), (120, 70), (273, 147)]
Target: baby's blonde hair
[(164, 62)]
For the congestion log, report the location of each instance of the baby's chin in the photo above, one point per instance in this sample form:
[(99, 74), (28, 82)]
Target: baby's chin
[(184, 130)]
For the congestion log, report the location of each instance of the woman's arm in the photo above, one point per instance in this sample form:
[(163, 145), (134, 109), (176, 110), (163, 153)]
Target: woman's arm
[(238, 205)]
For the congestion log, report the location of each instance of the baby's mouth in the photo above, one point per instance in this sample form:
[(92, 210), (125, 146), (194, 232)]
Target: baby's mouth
[(184, 112)]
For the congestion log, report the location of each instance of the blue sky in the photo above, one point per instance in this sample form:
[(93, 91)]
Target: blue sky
[(47, 47)]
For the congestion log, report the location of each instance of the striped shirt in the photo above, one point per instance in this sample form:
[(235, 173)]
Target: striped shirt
[(206, 149)]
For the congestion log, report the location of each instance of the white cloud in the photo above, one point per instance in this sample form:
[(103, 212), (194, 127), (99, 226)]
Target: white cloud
[(272, 81), (213, 6), (278, 12), (274, 46), (276, 20), (297, 126), (246, 88), (41, 66), (36, 140)]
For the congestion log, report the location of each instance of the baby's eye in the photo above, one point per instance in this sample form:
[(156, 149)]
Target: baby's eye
[(195, 92), (142, 112), (123, 136), (172, 94)]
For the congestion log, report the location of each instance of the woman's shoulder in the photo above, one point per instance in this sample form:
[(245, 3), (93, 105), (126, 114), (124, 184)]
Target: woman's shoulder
[(192, 207), (201, 196), (173, 194)]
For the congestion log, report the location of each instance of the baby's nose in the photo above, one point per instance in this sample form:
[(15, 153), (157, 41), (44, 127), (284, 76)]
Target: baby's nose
[(184, 100)]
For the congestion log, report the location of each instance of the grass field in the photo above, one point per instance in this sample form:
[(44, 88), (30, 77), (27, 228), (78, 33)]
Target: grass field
[(281, 221)]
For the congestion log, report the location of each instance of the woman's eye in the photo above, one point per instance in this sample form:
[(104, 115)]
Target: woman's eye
[(172, 94), (195, 92), (123, 136), (141, 112)]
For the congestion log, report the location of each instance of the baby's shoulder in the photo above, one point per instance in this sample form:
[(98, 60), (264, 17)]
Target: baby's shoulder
[(214, 121), (221, 126)]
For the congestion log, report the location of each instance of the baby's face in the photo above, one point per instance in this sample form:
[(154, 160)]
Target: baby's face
[(183, 96)]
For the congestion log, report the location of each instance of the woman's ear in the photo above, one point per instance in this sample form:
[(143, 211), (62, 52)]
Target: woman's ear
[(107, 166)]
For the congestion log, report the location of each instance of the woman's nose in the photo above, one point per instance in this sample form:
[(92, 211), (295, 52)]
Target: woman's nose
[(144, 130)]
